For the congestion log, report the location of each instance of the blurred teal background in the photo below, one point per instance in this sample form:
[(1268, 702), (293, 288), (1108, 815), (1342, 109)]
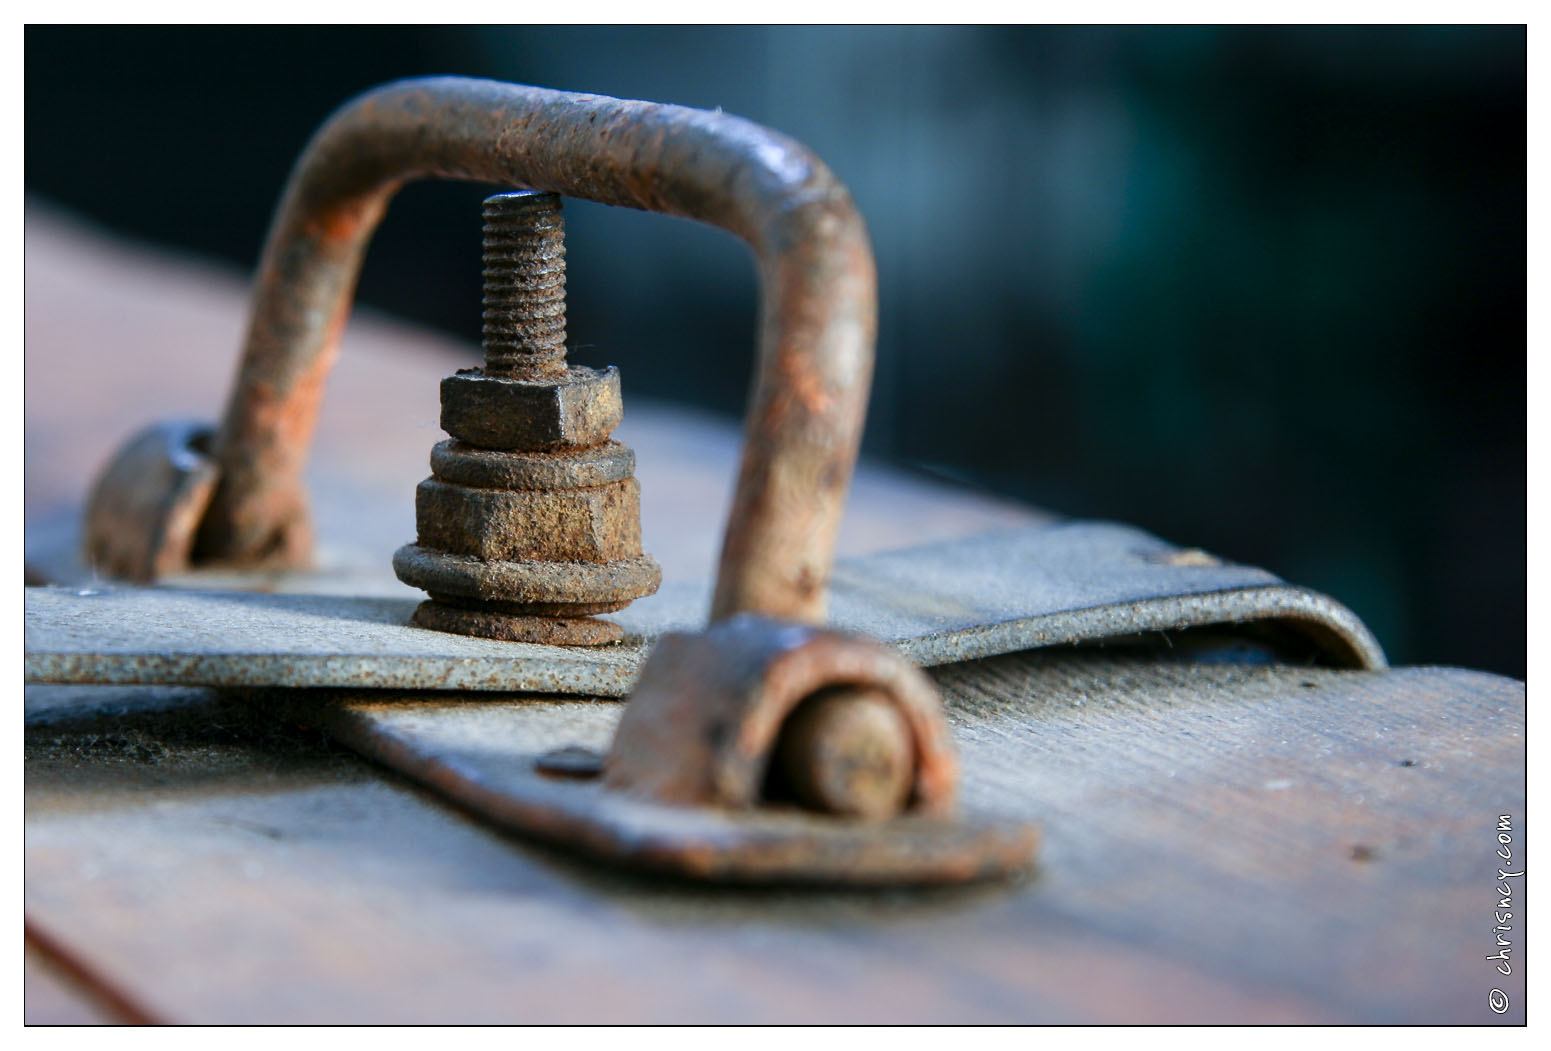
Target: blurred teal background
[(1256, 290)]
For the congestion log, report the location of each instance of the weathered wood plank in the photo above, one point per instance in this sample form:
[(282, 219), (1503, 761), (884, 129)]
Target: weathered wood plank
[(54, 994), (1224, 843)]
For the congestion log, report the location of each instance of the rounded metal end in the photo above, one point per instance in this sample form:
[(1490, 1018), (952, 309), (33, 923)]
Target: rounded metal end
[(848, 751)]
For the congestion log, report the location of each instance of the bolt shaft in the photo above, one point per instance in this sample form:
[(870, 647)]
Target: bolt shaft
[(524, 331)]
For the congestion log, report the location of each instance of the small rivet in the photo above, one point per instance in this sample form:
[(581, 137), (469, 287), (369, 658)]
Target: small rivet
[(573, 761)]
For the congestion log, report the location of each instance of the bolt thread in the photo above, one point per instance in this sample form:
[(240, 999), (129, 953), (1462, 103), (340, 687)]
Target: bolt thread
[(524, 331)]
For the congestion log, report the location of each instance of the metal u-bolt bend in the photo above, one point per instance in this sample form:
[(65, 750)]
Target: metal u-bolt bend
[(817, 318)]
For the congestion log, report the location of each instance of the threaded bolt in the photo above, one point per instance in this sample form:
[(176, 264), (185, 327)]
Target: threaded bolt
[(524, 332)]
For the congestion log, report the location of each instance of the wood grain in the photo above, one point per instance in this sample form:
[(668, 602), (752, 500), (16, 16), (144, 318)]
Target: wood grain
[(1223, 844)]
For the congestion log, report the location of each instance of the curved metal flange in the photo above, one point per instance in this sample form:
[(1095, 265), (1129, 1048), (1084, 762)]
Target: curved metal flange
[(145, 507), (703, 720), (817, 313)]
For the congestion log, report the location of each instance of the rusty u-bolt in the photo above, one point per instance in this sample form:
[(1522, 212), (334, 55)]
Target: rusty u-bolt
[(816, 330)]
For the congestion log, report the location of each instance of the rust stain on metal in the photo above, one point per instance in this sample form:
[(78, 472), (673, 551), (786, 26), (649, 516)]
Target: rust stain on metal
[(344, 224)]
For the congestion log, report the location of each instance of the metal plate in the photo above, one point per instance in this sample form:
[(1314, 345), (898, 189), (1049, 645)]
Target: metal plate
[(961, 600), (482, 755)]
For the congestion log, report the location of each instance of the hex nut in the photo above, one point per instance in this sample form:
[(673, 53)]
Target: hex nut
[(570, 584), (517, 608), (542, 630), (597, 524), (453, 461), (498, 412)]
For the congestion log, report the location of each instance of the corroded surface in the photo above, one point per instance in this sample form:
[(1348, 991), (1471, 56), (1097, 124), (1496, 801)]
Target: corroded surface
[(524, 318), (577, 410), (594, 524), (469, 465), (584, 584), (516, 627), (523, 503)]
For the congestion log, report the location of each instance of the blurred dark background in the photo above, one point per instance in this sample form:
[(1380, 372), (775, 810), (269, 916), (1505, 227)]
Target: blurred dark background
[(1260, 291)]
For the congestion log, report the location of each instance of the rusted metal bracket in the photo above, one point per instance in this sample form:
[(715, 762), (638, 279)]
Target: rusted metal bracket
[(693, 784), (818, 314), (856, 730)]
